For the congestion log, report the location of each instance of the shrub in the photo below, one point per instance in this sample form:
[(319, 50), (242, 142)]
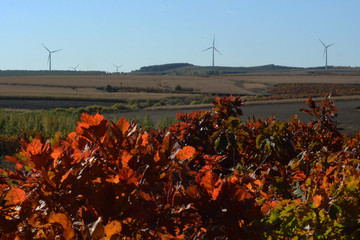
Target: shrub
[(109, 88), (210, 176), (119, 106), (160, 103), (207, 99), (178, 88), (194, 102)]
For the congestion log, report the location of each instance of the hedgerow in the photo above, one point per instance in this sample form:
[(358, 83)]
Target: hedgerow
[(209, 176)]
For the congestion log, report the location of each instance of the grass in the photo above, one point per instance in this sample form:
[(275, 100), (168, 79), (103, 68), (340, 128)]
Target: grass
[(15, 125), (147, 123), (31, 123), (28, 124)]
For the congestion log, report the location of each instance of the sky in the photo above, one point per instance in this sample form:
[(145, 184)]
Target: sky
[(134, 33)]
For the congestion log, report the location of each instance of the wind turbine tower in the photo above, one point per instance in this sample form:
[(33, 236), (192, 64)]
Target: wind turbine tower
[(213, 51), (325, 51), (49, 58), (117, 68), (74, 68)]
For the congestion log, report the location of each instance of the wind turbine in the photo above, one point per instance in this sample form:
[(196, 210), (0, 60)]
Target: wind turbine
[(325, 51), (74, 68), (213, 50), (117, 67), (49, 58)]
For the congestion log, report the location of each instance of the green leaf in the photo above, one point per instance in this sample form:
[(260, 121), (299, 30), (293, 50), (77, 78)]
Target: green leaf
[(233, 123), (221, 143), (274, 216), (258, 138)]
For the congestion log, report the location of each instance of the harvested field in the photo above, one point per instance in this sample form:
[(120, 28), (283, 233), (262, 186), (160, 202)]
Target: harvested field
[(80, 86), (44, 92), (149, 87)]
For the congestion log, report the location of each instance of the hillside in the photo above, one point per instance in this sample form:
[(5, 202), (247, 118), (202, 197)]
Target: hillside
[(190, 69)]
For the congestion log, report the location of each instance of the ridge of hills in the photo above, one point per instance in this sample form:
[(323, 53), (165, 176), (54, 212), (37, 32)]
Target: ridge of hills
[(190, 69), (193, 70)]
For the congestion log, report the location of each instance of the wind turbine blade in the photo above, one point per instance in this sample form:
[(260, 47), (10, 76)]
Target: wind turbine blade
[(217, 50), (45, 48), (330, 45), (324, 52), (207, 49), (56, 50), (322, 43), (214, 40), (77, 66)]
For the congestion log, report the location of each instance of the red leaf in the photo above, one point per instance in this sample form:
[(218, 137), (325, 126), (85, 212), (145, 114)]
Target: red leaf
[(112, 228), (166, 144), (92, 120), (317, 200), (125, 158), (15, 196), (35, 147), (144, 140), (209, 181), (185, 153), (299, 175), (123, 125), (65, 222), (307, 111), (157, 157), (64, 177), (92, 125), (39, 153), (128, 175), (310, 102)]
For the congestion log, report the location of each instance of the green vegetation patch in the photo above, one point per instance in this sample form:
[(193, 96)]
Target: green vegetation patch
[(31, 123)]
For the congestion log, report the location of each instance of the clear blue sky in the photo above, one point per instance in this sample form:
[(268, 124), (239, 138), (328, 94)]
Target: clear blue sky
[(135, 33)]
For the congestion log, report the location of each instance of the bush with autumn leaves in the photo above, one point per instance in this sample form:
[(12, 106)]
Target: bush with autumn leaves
[(209, 176)]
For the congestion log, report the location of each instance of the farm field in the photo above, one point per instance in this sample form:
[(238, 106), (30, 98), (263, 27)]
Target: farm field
[(152, 87), (65, 91)]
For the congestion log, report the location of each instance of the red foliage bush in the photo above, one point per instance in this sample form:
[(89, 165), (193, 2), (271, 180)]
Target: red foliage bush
[(210, 176)]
